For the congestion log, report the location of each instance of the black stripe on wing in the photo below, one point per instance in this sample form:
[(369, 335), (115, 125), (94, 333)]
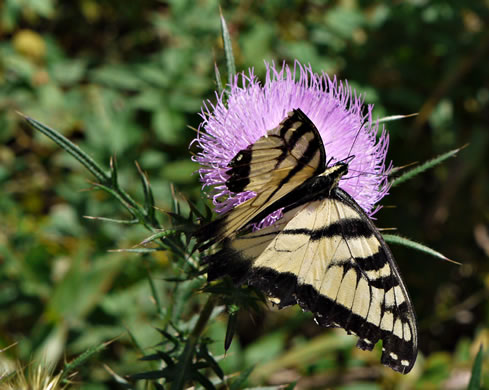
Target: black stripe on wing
[(348, 228), (296, 128), (295, 139), (397, 325)]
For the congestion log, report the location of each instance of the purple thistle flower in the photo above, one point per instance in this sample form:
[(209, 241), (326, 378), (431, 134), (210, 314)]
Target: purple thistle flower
[(250, 109)]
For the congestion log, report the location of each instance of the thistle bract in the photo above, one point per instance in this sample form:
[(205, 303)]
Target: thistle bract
[(250, 108)]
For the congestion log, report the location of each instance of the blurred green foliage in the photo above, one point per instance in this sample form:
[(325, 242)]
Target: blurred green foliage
[(127, 78)]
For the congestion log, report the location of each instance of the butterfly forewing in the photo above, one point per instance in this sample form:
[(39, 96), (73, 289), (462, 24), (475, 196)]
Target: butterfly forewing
[(324, 253), (272, 167)]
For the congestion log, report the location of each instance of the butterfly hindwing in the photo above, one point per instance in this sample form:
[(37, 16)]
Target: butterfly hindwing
[(324, 254), (272, 167)]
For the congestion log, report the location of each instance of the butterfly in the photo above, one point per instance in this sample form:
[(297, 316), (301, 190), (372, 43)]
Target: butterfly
[(324, 254)]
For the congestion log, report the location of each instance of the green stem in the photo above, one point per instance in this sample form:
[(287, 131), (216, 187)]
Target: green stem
[(187, 355)]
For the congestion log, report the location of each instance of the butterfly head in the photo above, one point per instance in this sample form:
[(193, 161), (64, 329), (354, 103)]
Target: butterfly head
[(338, 170), (334, 173)]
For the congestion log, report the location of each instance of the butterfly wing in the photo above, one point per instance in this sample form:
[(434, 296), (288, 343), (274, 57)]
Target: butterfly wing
[(327, 256), (272, 167)]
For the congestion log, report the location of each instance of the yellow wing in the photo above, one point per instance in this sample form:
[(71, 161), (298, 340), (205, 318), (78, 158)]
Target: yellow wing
[(272, 167), (327, 256)]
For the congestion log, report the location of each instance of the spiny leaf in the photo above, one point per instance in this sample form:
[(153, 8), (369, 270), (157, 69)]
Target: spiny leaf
[(203, 380), (153, 237), (159, 355), (395, 117), (230, 330), (394, 239), (152, 375), (184, 367), (118, 196), (121, 221), (425, 166), (149, 201), (70, 147), (136, 250), (228, 48), (173, 340), (77, 362), (209, 359)]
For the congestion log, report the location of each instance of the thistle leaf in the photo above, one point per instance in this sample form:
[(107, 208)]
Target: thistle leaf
[(394, 239), (149, 201), (121, 221), (228, 48), (230, 329), (425, 166), (70, 147), (392, 118), (77, 362)]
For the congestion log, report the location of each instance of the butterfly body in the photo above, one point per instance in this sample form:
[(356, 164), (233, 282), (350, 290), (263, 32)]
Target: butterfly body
[(324, 254)]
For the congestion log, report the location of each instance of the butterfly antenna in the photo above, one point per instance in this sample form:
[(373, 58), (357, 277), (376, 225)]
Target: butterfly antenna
[(354, 141), (366, 173)]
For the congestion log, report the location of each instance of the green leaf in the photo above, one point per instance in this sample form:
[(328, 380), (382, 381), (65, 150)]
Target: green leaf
[(475, 379), (425, 166), (228, 48), (71, 148), (136, 250), (120, 221), (209, 359), (184, 367), (149, 201), (162, 234), (159, 355), (203, 380), (395, 239), (230, 329), (81, 359)]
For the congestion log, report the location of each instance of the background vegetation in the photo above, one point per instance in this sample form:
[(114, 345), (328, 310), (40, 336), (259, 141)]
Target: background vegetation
[(126, 78)]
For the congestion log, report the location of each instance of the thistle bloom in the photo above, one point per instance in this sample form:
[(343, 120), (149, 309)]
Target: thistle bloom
[(251, 108)]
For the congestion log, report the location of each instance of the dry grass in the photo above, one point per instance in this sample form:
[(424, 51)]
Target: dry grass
[(34, 377)]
